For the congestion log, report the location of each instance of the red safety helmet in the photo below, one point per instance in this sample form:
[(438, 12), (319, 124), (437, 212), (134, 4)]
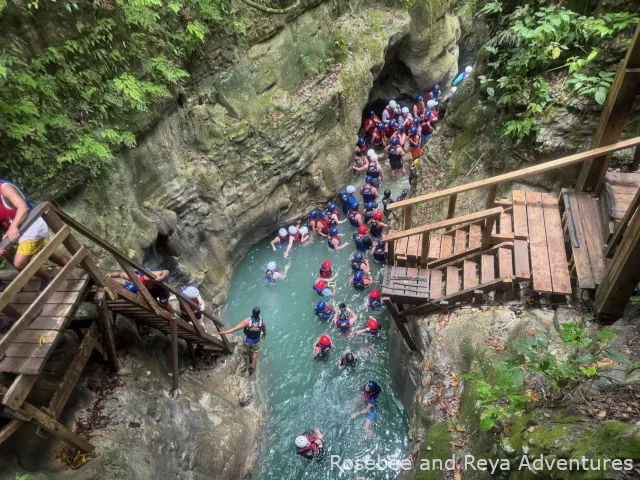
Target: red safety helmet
[(320, 285), (429, 96), (372, 324), (326, 265), (325, 341), (375, 293), (378, 215), (362, 229)]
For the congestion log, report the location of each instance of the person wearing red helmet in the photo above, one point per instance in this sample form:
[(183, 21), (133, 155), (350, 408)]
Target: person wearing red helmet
[(326, 272), (324, 288), (372, 330), (362, 240), (376, 225), (322, 347), (375, 302)]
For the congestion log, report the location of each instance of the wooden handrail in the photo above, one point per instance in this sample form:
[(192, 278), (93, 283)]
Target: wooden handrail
[(485, 214), (524, 172)]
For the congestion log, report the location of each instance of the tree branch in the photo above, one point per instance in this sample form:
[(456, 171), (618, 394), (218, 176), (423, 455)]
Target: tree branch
[(262, 8)]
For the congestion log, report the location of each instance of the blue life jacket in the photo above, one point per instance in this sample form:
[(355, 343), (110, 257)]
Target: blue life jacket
[(386, 202), (378, 254), (368, 215), (359, 240), (372, 171), (343, 324), (376, 229), (352, 201), (376, 332), (325, 314), (330, 241), (323, 348), (359, 284), (270, 274), (318, 290), (393, 156), (352, 217), (356, 265), (253, 331), (401, 198), (367, 194), (376, 304), (345, 202)]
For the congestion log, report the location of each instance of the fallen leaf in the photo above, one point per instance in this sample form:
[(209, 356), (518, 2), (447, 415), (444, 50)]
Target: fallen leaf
[(531, 333), (546, 322), (455, 383), (531, 429)]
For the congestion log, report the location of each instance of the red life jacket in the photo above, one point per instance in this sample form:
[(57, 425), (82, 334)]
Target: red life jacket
[(413, 139), (297, 237), (361, 150), (336, 212), (377, 136), (312, 444), (426, 128), (392, 113), (388, 131), (324, 225), (434, 115), (282, 239), (334, 238), (369, 125), (147, 282), (420, 109)]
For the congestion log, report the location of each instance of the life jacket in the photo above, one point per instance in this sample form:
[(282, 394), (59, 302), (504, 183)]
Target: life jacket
[(351, 215), (359, 240), (333, 221), (323, 224), (376, 304), (378, 254), (377, 137), (412, 171), (323, 348), (434, 115), (270, 275), (146, 281), (346, 363), (371, 397), (413, 139), (376, 331), (427, 129), (392, 114), (372, 171), (282, 239), (345, 202), (356, 265), (361, 150), (401, 198), (318, 289), (312, 445), (388, 131), (254, 329), (297, 237), (343, 324), (386, 201), (358, 284), (367, 194), (368, 215), (393, 156), (330, 241), (408, 121), (7, 214), (420, 109), (327, 313), (324, 273), (369, 125), (375, 229)]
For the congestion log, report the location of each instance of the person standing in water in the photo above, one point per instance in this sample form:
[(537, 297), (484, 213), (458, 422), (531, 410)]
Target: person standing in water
[(273, 274), (296, 236), (345, 320), (349, 361), (322, 347), (281, 238), (255, 329), (372, 392)]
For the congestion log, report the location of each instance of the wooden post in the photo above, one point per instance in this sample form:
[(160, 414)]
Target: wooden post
[(9, 429), (398, 321), (424, 257), (18, 391), (613, 118), (452, 206), (636, 160), (391, 254), (491, 196), (104, 317), (617, 236), (192, 352), (408, 221), (622, 275), (486, 235), (174, 353)]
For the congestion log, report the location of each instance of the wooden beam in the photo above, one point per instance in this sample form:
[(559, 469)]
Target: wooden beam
[(613, 118), (19, 391), (617, 236), (486, 235), (408, 221), (104, 318), (185, 306), (399, 323), (174, 354), (636, 160), (9, 429), (424, 256), (491, 196), (517, 174), (452, 206), (494, 212)]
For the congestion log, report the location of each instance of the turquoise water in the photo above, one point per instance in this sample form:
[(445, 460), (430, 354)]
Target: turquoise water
[(302, 392)]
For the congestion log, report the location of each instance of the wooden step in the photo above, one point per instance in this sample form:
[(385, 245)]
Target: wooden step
[(453, 280), (460, 243), (470, 274), (435, 242), (505, 263), (435, 286), (475, 236), (446, 248), (487, 268)]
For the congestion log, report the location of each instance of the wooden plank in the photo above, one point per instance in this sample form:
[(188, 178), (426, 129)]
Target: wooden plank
[(395, 315), (460, 241), (486, 235), (9, 429), (517, 174), (424, 249), (505, 223), (491, 213), (521, 259), (580, 250), (491, 195), (520, 228), (453, 281), (105, 322), (413, 245), (56, 298), (71, 376), (475, 235), (435, 284), (30, 366), (18, 391), (435, 243), (560, 279), (617, 236), (538, 244), (452, 206), (48, 323), (446, 246), (487, 268), (49, 310), (472, 254), (38, 336), (71, 285), (7, 296), (407, 217), (505, 263), (28, 350), (469, 276)]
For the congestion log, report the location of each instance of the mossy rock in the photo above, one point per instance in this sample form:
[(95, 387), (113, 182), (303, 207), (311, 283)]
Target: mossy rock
[(239, 132)]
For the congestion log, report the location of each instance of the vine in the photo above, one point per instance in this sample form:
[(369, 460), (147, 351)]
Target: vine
[(71, 104)]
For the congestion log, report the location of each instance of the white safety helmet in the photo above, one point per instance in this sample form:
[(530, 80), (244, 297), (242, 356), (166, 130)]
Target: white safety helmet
[(271, 266), (392, 104), (351, 189), (282, 232), (405, 110), (304, 230), (192, 292), (374, 157), (371, 152), (431, 103), (468, 69), (293, 230), (302, 441), (454, 89)]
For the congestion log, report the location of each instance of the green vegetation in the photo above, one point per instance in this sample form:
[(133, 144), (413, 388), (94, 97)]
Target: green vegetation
[(506, 396), (540, 55), (74, 101)]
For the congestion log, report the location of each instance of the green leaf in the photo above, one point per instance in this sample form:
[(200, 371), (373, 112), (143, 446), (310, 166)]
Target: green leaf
[(3, 5), (593, 54), (487, 423), (491, 91), (600, 96), (617, 357), (606, 334), (555, 53), (517, 377)]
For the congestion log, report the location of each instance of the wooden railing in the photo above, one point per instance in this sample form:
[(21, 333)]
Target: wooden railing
[(492, 183)]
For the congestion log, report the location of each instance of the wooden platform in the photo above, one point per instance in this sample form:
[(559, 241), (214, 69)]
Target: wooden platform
[(617, 194), (407, 285)]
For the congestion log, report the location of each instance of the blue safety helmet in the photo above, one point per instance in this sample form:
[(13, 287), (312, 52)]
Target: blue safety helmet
[(368, 179), (436, 86), (331, 207), (131, 287), (323, 213), (371, 113), (419, 99), (414, 130), (416, 121), (355, 206), (313, 214), (405, 191), (369, 205), (392, 123), (357, 276), (395, 141), (333, 231), (321, 305), (360, 141), (373, 386), (401, 128), (380, 126), (427, 113), (380, 242), (358, 256)]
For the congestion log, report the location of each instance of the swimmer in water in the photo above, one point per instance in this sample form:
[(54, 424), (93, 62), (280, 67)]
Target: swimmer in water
[(371, 392), (349, 361), (273, 274)]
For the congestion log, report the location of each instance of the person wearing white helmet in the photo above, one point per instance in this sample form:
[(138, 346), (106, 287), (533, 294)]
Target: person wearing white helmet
[(274, 274), (193, 294), (406, 119), (468, 69), (281, 238), (295, 236), (454, 90), (461, 77), (309, 444), (390, 112)]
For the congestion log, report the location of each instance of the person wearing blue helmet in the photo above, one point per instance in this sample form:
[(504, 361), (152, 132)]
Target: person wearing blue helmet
[(401, 135), (360, 280), (354, 216), (334, 239), (324, 310), (419, 107), (415, 143), (370, 123), (395, 153), (153, 285), (389, 130), (368, 191), (334, 215), (359, 262), (369, 210), (322, 223), (378, 251), (372, 393), (313, 220), (360, 156), (436, 92), (426, 129), (403, 195)]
